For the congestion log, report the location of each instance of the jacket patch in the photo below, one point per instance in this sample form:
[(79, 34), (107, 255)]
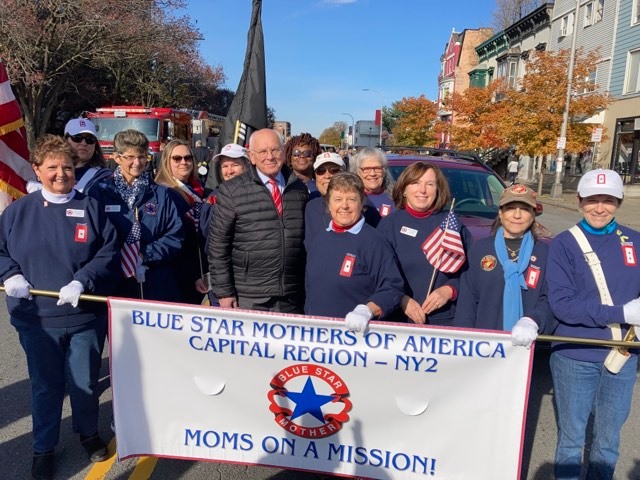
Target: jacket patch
[(532, 276), (347, 265), (81, 233), (629, 254), (488, 263)]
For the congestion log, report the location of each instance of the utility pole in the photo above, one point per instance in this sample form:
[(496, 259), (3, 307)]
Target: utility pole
[(556, 188)]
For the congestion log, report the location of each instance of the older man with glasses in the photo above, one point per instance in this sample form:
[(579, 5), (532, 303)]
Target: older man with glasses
[(255, 248)]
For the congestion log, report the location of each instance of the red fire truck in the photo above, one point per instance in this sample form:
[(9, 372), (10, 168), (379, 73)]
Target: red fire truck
[(156, 123)]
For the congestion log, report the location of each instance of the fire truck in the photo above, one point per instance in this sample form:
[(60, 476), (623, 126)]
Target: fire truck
[(157, 124)]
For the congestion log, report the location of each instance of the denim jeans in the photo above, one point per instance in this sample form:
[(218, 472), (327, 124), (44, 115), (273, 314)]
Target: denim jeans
[(580, 389), (56, 355)]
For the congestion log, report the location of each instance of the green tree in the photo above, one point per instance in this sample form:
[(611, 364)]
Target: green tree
[(331, 135)]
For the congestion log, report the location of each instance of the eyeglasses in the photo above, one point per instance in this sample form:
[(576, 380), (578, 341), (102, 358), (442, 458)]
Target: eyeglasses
[(88, 139), (179, 158), (321, 170), (302, 153), (131, 158), (274, 152), (369, 170)]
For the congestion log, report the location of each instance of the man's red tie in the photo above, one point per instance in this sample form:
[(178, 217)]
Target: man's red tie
[(277, 197)]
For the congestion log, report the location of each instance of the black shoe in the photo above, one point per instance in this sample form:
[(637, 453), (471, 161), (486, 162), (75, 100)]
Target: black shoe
[(42, 466), (94, 447)]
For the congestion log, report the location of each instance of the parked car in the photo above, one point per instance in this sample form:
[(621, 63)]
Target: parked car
[(475, 187)]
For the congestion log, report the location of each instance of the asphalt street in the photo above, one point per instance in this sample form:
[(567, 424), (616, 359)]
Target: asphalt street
[(15, 421)]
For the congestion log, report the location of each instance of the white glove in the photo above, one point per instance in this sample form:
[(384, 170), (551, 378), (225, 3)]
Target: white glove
[(524, 332), (358, 319), (70, 293), (140, 273), (631, 312), (17, 286)]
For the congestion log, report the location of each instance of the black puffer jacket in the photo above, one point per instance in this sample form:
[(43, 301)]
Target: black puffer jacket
[(253, 252)]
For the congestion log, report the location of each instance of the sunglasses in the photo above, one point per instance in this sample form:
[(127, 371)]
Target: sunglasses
[(88, 139), (321, 170), (178, 158), (303, 154)]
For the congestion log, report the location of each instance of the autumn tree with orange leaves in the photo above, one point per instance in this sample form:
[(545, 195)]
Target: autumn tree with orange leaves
[(478, 118), (415, 121), (536, 108)]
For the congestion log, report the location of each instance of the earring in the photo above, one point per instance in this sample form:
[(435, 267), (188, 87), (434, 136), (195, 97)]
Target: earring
[(404, 194)]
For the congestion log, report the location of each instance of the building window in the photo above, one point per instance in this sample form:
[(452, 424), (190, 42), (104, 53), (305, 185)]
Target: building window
[(588, 14), (566, 25), (590, 83), (508, 70), (598, 11), (635, 19), (632, 84)]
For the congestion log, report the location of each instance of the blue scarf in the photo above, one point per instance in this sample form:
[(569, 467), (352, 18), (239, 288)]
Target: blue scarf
[(130, 193), (513, 277), (607, 229)]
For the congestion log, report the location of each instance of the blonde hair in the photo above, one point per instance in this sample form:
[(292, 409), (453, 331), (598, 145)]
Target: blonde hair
[(164, 175)]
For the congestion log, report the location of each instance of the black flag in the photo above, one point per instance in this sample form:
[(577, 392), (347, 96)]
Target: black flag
[(248, 111)]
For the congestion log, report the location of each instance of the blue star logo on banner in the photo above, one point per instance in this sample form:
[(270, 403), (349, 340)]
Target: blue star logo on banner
[(308, 401)]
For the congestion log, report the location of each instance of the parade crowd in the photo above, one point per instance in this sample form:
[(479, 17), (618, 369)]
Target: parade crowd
[(292, 229)]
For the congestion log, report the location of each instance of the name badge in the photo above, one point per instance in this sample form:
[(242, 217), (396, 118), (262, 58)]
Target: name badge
[(532, 276), (73, 212), (409, 231), (347, 265), (629, 255), (81, 233), (111, 208), (385, 209)]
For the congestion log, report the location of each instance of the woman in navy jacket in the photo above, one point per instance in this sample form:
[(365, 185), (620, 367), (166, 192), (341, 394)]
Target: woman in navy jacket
[(505, 287), (141, 210), (349, 264), (420, 194), (176, 171), (59, 239)]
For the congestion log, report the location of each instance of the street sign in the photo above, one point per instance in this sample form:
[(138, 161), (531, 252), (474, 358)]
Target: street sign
[(596, 135), (562, 142)]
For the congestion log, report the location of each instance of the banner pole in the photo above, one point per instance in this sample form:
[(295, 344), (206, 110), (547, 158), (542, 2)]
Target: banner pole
[(541, 338), (49, 293)]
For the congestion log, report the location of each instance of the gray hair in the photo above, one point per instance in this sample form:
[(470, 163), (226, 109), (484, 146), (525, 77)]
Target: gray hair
[(377, 154)]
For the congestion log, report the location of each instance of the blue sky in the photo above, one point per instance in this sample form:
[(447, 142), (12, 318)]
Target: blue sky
[(321, 54)]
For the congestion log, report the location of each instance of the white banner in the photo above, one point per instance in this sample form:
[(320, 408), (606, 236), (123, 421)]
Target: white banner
[(402, 402)]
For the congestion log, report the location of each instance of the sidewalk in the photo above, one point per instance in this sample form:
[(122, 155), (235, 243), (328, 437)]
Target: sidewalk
[(628, 214)]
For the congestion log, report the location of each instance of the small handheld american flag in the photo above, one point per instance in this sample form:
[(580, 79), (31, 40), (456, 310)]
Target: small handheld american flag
[(194, 213), (131, 251), (443, 248)]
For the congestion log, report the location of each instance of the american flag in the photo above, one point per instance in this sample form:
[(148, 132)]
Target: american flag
[(444, 248), (15, 169), (194, 213), (131, 251)]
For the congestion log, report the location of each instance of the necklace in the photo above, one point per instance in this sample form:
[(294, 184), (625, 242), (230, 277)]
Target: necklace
[(513, 247)]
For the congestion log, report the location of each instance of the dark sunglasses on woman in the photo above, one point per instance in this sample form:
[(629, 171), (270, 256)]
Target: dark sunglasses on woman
[(88, 139), (321, 170)]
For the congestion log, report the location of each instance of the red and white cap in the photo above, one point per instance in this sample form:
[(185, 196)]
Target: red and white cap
[(600, 182), (232, 150), (328, 157)]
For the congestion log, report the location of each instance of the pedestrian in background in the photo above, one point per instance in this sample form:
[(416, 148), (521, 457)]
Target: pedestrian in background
[(513, 167), (58, 239), (594, 285)]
